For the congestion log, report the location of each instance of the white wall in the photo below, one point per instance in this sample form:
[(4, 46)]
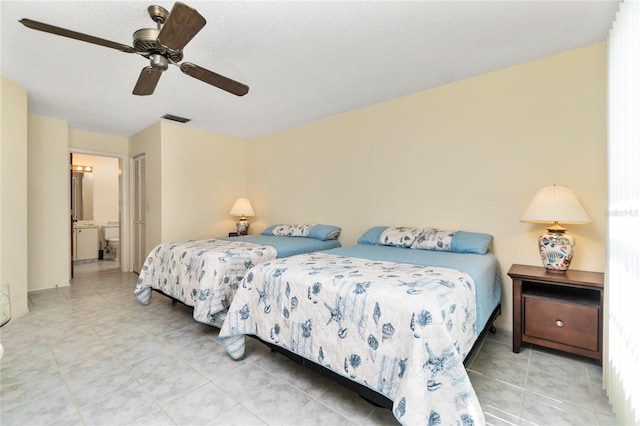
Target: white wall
[(49, 222), (469, 155), (13, 199)]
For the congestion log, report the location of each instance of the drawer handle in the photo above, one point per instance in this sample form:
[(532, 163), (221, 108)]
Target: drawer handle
[(559, 323)]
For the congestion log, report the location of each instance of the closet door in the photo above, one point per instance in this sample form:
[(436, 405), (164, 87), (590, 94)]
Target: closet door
[(140, 213)]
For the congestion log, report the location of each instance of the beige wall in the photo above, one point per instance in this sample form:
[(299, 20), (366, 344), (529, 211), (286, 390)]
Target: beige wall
[(46, 261), (193, 177), (469, 155), (202, 175), (48, 200), (147, 142), (13, 199), (98, 142)]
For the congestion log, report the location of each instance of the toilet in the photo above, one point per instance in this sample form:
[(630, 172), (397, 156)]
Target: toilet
[(111, 237)]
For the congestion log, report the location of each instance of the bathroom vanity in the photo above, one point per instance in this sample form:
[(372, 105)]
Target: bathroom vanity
[(85, 242)]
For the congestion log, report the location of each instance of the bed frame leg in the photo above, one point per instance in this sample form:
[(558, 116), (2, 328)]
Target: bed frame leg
[(493, 329)]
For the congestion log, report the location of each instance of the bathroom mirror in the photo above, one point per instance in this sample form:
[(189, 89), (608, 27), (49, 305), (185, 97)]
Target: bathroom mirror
[(82, 195)]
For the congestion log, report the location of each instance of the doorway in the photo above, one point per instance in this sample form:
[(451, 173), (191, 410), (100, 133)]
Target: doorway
[(98, 231)]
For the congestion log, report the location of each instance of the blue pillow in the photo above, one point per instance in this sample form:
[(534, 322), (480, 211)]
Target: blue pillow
[(372, 236), (268, 230), (325, 232), (471, 242), (319, 232)]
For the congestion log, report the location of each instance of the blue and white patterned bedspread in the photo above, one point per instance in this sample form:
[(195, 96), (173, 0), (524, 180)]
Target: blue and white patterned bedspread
[(203, 274), (400, 329)]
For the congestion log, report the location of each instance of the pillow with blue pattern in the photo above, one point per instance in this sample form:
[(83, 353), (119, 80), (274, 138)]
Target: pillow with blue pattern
[(401, 236), (319, 232), (434, 239), (428, 239), (453, 241)]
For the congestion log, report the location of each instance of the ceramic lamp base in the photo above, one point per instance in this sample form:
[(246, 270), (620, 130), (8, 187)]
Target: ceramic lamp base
[(242, 227), (556, 250)]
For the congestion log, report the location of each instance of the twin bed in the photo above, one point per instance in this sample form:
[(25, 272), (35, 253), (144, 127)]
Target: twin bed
[(204, 274), (396, 315)]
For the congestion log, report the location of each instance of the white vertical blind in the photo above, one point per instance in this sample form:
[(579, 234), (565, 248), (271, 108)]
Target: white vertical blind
[(622, 290)]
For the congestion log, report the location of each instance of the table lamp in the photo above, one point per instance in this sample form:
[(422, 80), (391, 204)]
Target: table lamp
[(242, 209), (556, 205)]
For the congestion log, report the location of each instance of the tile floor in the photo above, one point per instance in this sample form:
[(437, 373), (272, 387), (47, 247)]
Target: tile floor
[(90, 354)]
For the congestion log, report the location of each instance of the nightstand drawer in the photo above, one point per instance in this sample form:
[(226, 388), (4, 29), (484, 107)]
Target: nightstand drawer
[(557, 321)]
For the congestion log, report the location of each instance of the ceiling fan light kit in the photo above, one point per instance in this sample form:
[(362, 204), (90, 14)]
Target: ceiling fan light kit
[(162, 46)]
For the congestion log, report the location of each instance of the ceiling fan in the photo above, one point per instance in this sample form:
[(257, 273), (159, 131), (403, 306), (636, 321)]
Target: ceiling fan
[(162, 46)]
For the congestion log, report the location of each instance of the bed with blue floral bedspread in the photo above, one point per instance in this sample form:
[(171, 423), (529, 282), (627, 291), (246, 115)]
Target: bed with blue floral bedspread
[(205, 274), (395, 320)]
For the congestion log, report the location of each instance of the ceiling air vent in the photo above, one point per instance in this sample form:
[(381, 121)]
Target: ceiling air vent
[(176, 118)]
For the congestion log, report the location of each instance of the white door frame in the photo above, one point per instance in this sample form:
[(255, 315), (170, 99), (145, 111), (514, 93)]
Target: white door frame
[(125, 252)]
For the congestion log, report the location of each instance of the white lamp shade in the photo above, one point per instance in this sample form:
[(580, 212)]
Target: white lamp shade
[(242, 207), (556, 204)]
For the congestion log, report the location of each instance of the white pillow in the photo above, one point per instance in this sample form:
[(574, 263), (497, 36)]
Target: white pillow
[(402, 236), (434, 239)]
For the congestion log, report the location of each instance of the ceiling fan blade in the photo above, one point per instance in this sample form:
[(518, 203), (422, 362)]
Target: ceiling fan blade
[(214, 79), (182, 25), (35, 25), (147, 81)]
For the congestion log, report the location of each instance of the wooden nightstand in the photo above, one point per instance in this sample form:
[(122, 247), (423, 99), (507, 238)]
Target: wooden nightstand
[(561, 311)]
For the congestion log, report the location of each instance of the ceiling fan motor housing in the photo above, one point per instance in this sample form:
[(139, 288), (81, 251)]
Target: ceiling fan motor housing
[(146, 42)]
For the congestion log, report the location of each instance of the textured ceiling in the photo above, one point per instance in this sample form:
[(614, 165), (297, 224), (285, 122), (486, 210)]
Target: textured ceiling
[(303, 60)]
